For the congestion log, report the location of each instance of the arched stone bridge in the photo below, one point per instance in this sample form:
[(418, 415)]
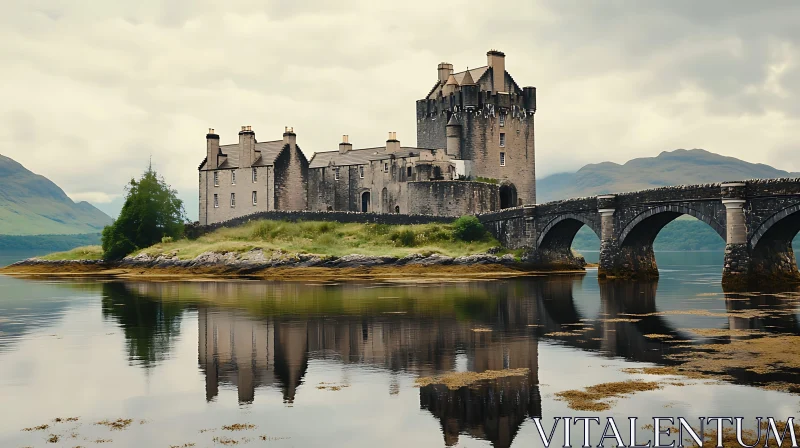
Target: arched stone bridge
[(757, 218)]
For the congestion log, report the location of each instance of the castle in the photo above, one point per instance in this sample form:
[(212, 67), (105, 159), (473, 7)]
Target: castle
[(475, 153)]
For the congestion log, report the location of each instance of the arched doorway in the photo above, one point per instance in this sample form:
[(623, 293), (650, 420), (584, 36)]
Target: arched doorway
[(365, 201), (508, 195)]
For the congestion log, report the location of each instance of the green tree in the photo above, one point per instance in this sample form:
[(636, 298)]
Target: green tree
[(151, 212)]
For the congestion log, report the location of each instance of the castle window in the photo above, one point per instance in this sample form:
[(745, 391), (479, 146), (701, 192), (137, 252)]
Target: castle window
[(216, 178), (233, 199), (216, 200), (408, 172), (386, 167), (255, 198), (336, 173), (502, 139), (255, 174), (502, 120), (361, 171), (502, 159), (233, 177)]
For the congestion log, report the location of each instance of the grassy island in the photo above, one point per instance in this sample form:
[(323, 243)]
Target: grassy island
[(306, 251), (312, 237)]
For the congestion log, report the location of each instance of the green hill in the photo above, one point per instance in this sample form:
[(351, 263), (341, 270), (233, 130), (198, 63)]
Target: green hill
[(678, 167), (31, 204)]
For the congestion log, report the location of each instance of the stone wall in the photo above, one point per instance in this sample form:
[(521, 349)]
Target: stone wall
[(481, 144), (243, 188), (508, 226), (452, 198), (430, 127), (291, 179)]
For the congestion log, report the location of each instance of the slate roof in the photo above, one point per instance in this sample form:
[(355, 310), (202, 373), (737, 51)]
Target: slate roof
[(269, 152), (474, 73), (360, 156)]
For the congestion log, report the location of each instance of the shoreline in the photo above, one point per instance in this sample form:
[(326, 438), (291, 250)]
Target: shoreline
[(305, 268)]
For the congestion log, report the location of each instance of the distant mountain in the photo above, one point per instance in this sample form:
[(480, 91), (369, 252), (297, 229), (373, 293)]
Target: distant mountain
[(678, 167), (31, 204)]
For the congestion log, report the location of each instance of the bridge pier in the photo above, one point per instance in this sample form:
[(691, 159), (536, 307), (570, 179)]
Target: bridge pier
[(633, 261), (765, 261), (737, 253)]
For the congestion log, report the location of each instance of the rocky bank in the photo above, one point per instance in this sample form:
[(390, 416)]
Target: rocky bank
[(266, 264)]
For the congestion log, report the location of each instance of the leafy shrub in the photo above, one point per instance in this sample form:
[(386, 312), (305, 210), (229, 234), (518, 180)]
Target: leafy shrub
[(404, 237), (166, 239), (468, 228)]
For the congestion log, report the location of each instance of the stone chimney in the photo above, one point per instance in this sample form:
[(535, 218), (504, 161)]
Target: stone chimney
[(445, 70), (212, 150), (392, 144), (497, 62), (289, 137), (247, 147), (345, 145)]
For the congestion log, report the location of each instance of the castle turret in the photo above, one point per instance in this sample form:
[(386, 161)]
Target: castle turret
[(453, 132), (497, 62), (529, 98), (469, 91), (445, 70), (345, 145), (212, 149), (450, 85), (247, 147)]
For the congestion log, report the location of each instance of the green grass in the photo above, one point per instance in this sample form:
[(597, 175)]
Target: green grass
[(328, 238), (79, 253)]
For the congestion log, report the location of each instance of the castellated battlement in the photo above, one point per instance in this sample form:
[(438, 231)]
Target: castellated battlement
[(469, 99)]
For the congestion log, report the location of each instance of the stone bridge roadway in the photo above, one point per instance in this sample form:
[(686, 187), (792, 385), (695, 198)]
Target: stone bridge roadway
[(757, 219)]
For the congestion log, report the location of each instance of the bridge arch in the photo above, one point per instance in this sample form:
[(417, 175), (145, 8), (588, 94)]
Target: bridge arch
[(772, 258), (562, 229), (784, 222), (658, 217)]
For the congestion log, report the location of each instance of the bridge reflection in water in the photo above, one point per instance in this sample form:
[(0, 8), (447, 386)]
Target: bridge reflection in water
[(254, 335)]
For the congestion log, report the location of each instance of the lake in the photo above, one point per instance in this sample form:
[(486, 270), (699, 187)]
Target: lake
[(249, 363)]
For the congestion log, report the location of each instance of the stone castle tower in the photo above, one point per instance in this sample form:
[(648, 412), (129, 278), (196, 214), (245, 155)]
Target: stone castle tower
[(485, 120)]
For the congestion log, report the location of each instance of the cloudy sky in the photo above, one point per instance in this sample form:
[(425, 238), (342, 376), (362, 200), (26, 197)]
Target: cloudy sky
[(92, 89)]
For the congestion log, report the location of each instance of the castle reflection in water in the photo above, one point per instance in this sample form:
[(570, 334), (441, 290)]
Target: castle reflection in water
[(257, 335), (236, 348)]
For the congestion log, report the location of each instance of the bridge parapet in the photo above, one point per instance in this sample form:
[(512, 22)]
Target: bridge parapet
[(680, 193), (757, 188)]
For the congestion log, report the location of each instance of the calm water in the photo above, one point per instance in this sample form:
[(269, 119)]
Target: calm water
[(11, 256), (334, 365)]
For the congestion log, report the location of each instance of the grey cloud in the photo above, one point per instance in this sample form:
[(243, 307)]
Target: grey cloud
[(117, 81)]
